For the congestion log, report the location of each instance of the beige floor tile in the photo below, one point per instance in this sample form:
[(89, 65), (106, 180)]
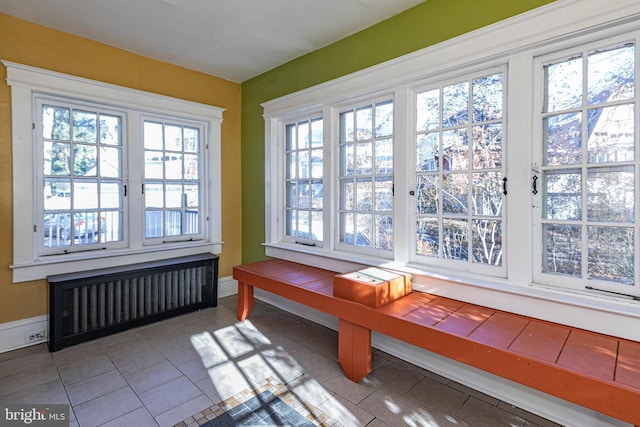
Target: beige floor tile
[(78, 353), (148, 378), (27, 379), (392, 407), (477, 413), (352, 391), (49, 392), (25, 351), (345, 412), (320, 367), (99, 385), (106, 408), (396, 377), (167, 396), (223, 381), (26, 363), (184, 411), (74, 372), (438, 397), (137, 418)]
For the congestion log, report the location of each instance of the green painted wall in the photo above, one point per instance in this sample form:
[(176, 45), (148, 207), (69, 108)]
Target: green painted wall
[(424, 25)]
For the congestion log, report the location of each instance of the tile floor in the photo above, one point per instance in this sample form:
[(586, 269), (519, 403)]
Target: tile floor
[(184, 370)]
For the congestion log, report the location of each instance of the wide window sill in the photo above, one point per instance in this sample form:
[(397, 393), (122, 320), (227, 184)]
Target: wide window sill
[(47, 266)]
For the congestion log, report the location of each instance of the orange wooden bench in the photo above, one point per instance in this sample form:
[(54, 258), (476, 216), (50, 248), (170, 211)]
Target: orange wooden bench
[(596, 371)]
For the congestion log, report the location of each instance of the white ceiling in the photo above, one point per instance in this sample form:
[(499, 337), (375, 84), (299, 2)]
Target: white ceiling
[(232, 39)]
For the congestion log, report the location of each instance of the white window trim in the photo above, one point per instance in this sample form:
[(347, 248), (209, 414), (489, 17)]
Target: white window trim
[(25, 83), (562, 23)]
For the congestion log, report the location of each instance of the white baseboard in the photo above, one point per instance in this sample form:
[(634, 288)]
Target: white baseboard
[(227, 286), (23, 333), (542, 404)]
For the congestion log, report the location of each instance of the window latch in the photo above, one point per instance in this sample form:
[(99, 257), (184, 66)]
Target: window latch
[(504, 185)]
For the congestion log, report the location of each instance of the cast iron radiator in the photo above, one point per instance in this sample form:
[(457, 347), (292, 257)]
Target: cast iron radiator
[(88, 305)]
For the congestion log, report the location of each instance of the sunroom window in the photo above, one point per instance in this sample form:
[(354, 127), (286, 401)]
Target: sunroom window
[(589, 169), (460, 185)]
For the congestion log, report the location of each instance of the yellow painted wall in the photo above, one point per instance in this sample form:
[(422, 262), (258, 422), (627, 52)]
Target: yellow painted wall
[(37, 46)]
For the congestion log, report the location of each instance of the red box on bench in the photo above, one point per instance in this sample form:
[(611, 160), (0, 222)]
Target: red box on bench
[(372, 286)]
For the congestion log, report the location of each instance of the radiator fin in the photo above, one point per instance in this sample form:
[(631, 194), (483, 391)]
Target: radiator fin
[(110, 302)]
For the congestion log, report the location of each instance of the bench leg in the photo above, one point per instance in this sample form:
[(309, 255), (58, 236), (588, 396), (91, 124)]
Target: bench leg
[(245, 300), (354, 350)]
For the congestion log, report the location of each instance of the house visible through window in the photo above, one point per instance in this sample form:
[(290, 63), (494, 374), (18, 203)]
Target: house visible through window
[(589, 168)]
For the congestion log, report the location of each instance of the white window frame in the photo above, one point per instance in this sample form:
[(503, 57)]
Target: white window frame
[(566, 281), (444, 80), (26, 83), (539, 32)]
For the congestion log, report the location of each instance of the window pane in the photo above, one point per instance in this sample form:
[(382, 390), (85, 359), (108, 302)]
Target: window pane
[(154, 195), (172, 138), (364, 196), (153, 165), (57, 194), (364, 229), (192, 195), (56, 158), (563, 248), (563, 134), (191, 167), (84, 160), (173, 223), (55, 123), (364, 123), (563, 196), (427, 150), (487, 194), (153, 138), (487, 146), (316, 133), (154, 224), (611, 254), (304, 164), (455, 149), (84, 126), (384, 119), (384, 232), (427, 194), (364, 158), (303, 136), (487, 242), (347, 159), (113, 230), (455, 193), (110, 128), (611, 75), (611, 134), (85, 195), (455, 241), (173, 166), (428, 237), (110, 162), (384, 157), (455, 104), (316, 195), (564, 85), (487, 98), (110, 195), (317, 164), (173, 196), (428, 110), (384, 194), (610, 195), (346, 127), (191, 139)]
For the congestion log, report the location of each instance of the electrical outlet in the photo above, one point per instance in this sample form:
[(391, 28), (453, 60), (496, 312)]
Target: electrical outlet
[(37, 335)]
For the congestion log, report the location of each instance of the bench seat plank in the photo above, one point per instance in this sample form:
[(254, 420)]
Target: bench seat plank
[(589, 369)]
